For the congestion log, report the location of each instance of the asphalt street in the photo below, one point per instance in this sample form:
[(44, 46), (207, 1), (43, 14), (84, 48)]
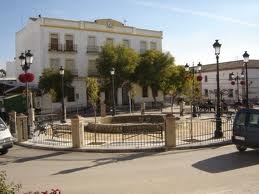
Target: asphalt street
[(207, 170)]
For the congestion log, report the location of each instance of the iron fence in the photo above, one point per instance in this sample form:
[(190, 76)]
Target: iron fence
[(52, 134), (201, 132), (138, 136)]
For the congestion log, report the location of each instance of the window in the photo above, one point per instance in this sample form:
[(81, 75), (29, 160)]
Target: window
[(153, 45), (206, 92), (230, 76), (206, 78), (69, 43), (91, 45), (126, 43), (109, 40), (91, 41), (144, 91), (54, 41), (70, 65), (230, 93), (240, 119), (54, 63), (92, 67), (70, 94), (253, 119), (143, 46)]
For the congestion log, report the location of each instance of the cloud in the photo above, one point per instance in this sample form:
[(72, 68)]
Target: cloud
[(196, 13)]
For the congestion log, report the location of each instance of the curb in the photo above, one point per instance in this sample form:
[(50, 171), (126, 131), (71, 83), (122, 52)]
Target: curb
[(33, 146), (158, 149)]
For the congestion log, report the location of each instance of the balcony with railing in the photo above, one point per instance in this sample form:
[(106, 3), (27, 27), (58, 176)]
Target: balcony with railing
[(55, 47), (74, 72), (70, 48), (92, 49)]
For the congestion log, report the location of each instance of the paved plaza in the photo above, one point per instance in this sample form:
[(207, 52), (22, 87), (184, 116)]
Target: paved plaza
[(209, 170)]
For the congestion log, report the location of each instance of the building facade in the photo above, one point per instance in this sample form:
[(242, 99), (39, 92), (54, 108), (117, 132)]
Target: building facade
[(231, 91), (75, 46)]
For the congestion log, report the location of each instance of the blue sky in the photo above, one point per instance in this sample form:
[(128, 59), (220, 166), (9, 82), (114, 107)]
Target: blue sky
[(190, 27)]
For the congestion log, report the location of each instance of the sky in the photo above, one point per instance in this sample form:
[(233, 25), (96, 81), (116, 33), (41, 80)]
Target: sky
[(189, 27)]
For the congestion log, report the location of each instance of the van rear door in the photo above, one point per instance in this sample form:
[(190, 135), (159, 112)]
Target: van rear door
[(239, 127), (253, 129)]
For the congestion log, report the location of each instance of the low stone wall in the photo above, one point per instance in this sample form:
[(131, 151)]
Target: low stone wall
[(133, 119), (127, 124)]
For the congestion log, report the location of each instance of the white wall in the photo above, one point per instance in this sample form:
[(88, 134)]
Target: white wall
[(35, 36), (225, 83)]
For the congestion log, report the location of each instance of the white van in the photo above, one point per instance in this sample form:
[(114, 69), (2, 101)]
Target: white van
[(6, 139)]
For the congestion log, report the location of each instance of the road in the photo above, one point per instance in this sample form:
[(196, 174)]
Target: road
[(208, 170)]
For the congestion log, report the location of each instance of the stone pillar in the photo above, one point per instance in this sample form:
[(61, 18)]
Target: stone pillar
[(22, 128), (77, 132), (119, 96), (103, 109), (170, 132), (143, 107), (12, 122)]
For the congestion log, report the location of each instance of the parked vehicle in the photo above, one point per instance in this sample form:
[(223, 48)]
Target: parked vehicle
[(246, 129), (6, 139)]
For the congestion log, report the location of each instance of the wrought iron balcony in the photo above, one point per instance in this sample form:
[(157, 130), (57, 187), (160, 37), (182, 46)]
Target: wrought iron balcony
[(55, 47), (93, 49), (70, 48)]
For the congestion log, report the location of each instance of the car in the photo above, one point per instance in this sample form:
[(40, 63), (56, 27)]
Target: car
[(6, 139), (246, 129)]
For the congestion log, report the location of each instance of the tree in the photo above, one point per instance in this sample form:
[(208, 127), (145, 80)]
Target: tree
[(173, 81), (191, 88), (50, 82), (151, 67), (93, 92), (122, 58)]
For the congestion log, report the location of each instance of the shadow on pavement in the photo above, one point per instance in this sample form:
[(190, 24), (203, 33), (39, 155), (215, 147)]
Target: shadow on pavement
[(21, 160), (109, 160), (227, 162)]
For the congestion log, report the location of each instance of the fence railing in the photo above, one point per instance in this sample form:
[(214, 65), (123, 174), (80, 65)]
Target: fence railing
[(127, 137), (201, 132), (50, 134)]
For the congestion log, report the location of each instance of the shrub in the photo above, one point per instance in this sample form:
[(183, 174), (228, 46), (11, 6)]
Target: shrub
[(8, 188)]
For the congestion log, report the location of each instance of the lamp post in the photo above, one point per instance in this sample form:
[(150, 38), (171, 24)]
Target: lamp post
[(26, 61), (113, 93), (218, 132), (62, 72), (237, 78), (194, 70), (246, 59)]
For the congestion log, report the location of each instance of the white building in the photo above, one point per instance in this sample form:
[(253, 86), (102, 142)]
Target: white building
[(230, 92), (75, 46)]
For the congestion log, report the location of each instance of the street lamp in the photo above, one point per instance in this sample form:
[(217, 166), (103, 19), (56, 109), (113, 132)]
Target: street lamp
[(194, 70), (62, 72), (246, 59), (26, 61), (218, 132), (113, 93), (237, 78)]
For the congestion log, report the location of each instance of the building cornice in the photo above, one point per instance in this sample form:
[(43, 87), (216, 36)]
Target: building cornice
[(99, 30)]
